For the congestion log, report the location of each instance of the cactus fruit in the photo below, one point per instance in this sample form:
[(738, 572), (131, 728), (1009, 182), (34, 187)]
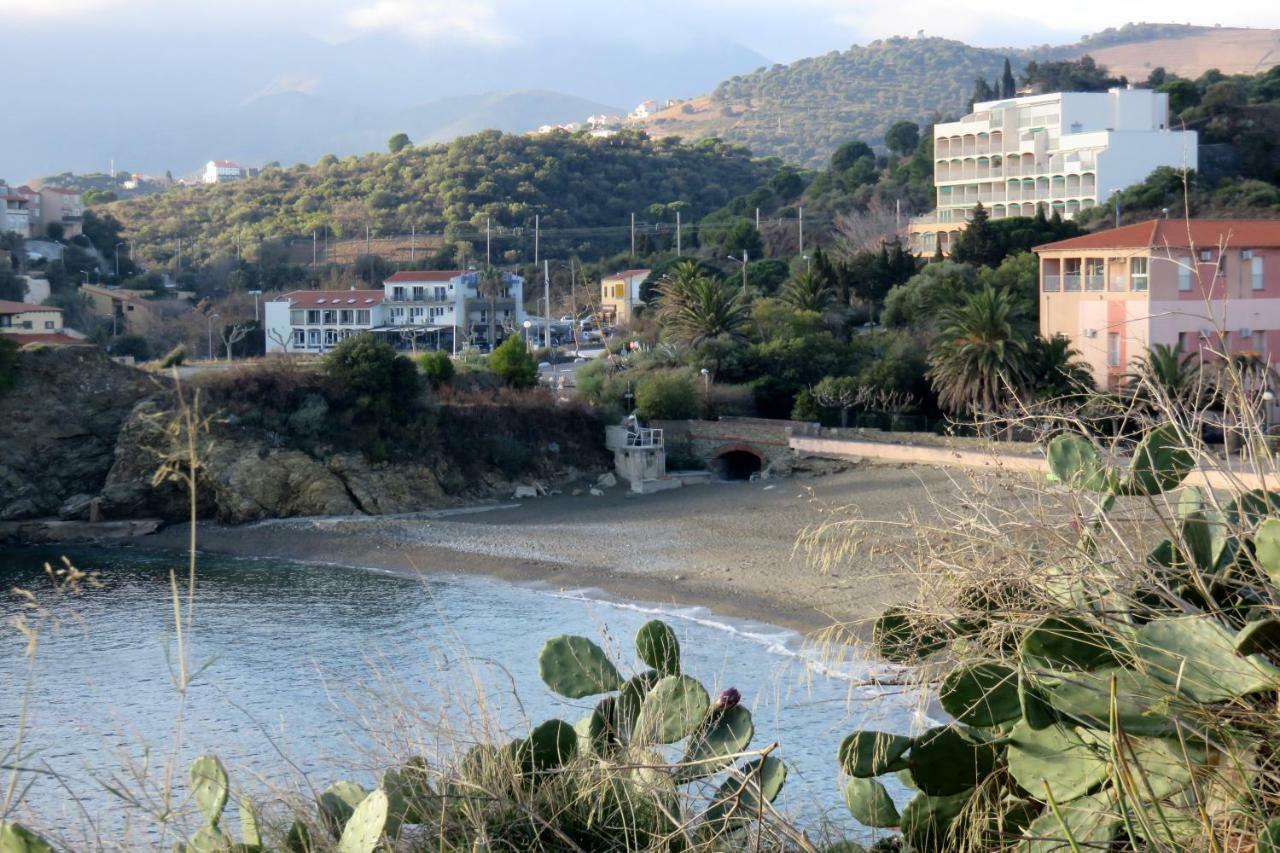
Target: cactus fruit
[(338, 802), (1069, 761), (671, 710), (547, 747), (870, 803), (1069, 642), (926, 821), (209, 787), (1074, 461), (15, 838), (741, 798), (575, 667), (657, 646), (365, 827), (728, 699), (1089, 823), (904, 637), (864, 754), (944, 762), (1197, 654), (983, 695), (713, 746), (1261, 636)]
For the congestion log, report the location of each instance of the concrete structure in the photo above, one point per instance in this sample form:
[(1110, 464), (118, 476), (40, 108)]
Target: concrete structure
[(620, 296), (35, 324), (59, 206), (315, 321), (735, 448), (640, 458), (222, 171), (15, 212), (131, 311), (1065, 152), (1211, 284)]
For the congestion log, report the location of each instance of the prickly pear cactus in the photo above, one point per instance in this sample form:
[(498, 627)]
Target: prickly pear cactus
[(365, 827), (575, 667)]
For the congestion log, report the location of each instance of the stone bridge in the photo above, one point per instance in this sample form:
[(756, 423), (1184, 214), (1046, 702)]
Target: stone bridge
[(733, 447)]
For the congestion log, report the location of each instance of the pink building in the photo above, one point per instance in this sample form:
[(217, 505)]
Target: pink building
[(1207, 283)]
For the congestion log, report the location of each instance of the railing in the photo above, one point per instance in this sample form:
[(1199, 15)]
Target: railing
[(1094, 282), (1071, 281), (644, 437), (1050, 282)]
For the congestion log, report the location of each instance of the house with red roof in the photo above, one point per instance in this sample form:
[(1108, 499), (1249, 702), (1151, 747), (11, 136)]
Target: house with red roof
[(1204, 285), (36, 324), (620, 296)]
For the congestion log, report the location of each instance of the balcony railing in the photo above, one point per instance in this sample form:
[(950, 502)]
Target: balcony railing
[(1094, 281), (1071, 282), (1051, 282)]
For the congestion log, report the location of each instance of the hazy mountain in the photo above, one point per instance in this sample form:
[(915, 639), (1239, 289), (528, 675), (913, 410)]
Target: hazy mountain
[(153, 103)]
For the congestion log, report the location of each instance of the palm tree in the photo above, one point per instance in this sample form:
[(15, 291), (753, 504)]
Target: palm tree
[(983, 354), (1166, 374), (673, 286), (808, 292), (490, 287), (1057, 368), (696, 310)]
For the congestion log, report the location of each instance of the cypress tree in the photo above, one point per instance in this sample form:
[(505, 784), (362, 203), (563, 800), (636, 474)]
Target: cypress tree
[(1008, 88)]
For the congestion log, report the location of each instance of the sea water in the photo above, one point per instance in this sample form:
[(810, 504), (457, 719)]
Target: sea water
[(302, 674)]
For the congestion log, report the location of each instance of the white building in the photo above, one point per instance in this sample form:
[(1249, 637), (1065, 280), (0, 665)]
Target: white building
[(317, 320), (15, 214), (645, 109), (1064, 152), (221, 171), (421, 309)]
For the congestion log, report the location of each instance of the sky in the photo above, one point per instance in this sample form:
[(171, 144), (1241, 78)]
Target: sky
[(780, 31)]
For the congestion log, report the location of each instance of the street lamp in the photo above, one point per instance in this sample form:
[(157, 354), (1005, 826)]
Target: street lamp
[(528, 324), (211, 318), (706, 390), (256, 294), (743, 261), (1268, 398)]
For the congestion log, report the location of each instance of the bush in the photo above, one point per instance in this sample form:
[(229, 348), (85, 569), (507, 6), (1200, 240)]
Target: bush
[(513, 363), (8, 364), (437, 367), (134, 345), (667, 396), (175, 357), (379, 380)]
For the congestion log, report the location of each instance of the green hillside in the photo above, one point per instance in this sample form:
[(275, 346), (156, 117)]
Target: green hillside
[(567, 180), (802, 111)]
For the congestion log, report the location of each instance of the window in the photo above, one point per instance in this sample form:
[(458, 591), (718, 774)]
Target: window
[(1246, 254), (1255, 271), (1138, 274), (362, 317), (313, 318), (313, 337), (330, 337), (1094, 274), (330, 317), (48, 324), (1071, 274), (1113, 349), (441, 294), (397, 313), (1184, 275), (344, 316), (26, 324), (1206, 255), (299, 337), (419, 294), (1183, 341), (1260, 343), (297, 317)]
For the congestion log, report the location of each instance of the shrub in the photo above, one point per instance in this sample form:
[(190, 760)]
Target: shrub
[(437, 367), (8, 364), (668, 396), (379, 380), (513, 363), (175, 357), (134, 345)]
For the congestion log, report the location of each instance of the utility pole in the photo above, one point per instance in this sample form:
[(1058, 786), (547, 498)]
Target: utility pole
[(536, 235), (488, 238), (413, 242), (801, 210), (757, 219), (367, 251), (238, 230), (573, 305), (313, 249), (677, 233), (745, 256), (633, 236), (179, 270)]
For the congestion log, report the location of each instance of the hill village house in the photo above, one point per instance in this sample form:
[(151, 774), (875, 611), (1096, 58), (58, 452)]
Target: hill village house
[(431, 309), (1064, 152), (1205, 285)]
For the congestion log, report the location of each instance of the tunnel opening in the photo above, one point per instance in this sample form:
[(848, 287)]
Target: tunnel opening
[(736, 465)]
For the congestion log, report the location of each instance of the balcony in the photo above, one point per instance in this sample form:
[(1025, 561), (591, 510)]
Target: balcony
[(1071, 282), (1095, 281), (1050, 283)]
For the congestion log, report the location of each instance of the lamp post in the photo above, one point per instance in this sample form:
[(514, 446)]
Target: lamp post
[(706, 391), (116, 252), (1268, 399), (256, 294), (528, 324), (743, 261)]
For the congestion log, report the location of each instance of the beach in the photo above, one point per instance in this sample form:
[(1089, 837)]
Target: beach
[(730, 547)]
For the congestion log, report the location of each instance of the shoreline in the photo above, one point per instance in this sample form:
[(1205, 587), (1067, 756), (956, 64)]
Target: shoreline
[(727, 547)]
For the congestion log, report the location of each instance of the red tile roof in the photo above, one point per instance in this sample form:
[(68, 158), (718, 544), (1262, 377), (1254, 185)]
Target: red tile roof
[(7, 307), (226, 164), (425, 275), (51, 338), (333, 298), (630, 273), (1177, 233)]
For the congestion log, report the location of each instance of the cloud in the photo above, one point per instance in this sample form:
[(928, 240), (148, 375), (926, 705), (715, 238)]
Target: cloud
[(475, 21)]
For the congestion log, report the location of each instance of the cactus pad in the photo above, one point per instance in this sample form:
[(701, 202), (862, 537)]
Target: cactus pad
[(983, 695), (1198, 655), (870, 803), (657, 646), (209, 787), (866, 753), (712, 746), (575, 667), (671, 711), (366, 825)]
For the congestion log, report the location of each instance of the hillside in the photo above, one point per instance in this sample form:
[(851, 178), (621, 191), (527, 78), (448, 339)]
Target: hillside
[(802, 111), (569, 181)]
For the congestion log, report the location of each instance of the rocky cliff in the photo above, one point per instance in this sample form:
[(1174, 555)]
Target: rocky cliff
[(83, 437)]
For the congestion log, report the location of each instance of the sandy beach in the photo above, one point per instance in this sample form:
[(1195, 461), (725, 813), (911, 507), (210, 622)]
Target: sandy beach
[(730, 547)]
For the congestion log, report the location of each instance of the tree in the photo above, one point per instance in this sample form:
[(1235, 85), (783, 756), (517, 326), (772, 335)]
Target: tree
[(398, 143), (55, 231), (982, 356), (666, 395), (977, 243), (381, 383), (850, 153), (809, 292), (437, 367), (902, 137), (8, 364), (838, 392), (918, 301), (134, 345), (1008, 87), (1183, 95), (491, 286), (1057, 370), (12, 288), (701, 309), (232, 335), (1167, 376), (512, 361)]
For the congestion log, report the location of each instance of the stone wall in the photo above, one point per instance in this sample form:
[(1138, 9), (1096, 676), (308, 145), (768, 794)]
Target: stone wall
[(768, 440)]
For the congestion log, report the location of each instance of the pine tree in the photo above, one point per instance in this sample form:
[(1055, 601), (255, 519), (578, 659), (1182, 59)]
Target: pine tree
[(1008, 88)]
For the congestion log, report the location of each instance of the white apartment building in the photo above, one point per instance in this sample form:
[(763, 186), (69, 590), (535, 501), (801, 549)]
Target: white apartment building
[(221, 171), (427, 309), (1063, 151), (15, 214)]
